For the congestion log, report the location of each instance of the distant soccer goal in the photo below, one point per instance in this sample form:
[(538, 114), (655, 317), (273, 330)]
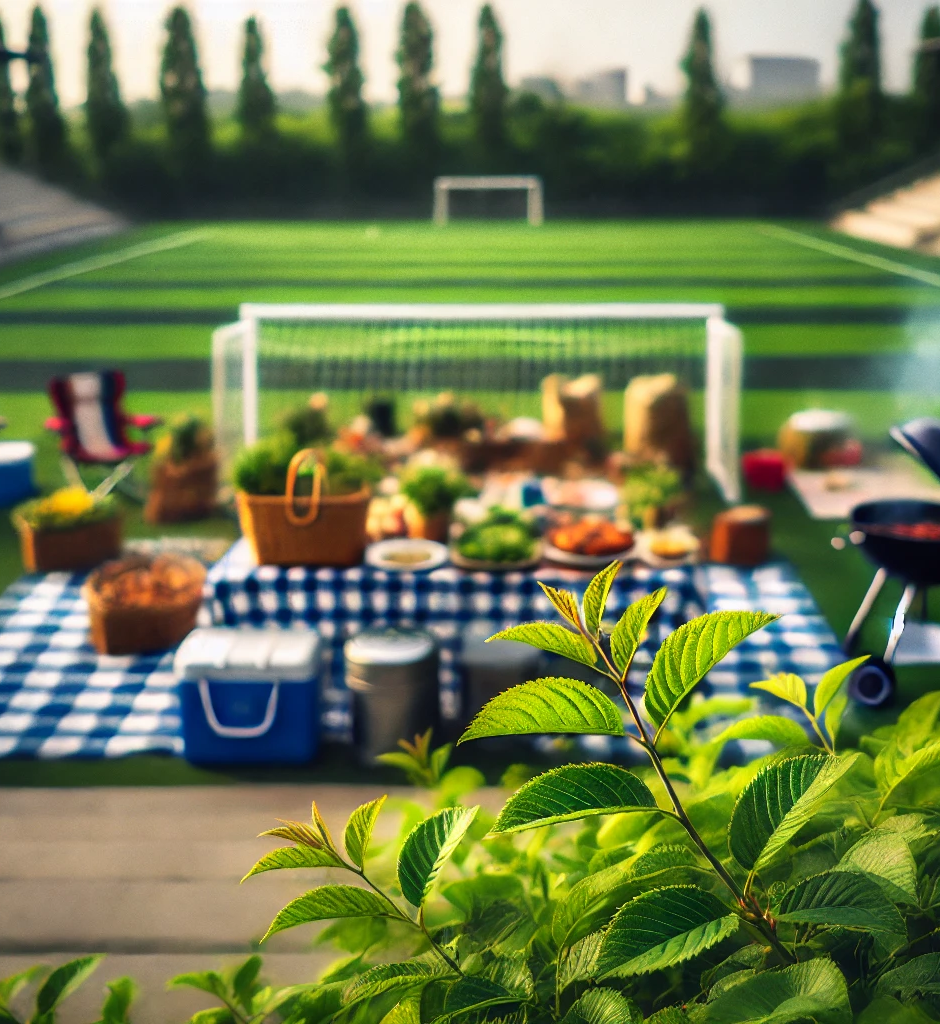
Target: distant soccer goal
[(531, 185), (497, 355)]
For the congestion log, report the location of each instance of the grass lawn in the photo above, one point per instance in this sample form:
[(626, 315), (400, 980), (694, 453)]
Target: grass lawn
[(795, 304)]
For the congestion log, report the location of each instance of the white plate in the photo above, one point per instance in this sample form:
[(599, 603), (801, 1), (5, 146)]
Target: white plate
[(577, 561), (472, 565), (378, 554), (643, 553)]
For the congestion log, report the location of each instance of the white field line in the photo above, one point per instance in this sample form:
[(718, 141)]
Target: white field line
[(26, 284), (848, 253)]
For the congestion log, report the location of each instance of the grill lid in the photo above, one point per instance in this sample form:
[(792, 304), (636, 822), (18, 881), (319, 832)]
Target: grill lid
[(921, 438)]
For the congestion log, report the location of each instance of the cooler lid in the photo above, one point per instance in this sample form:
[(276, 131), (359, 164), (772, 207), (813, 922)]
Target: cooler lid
[(250, 655), (921, 437), (389, 647)]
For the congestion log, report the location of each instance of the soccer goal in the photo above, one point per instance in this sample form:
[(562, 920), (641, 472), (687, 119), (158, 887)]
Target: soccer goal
[(275, 356), (531, 185)]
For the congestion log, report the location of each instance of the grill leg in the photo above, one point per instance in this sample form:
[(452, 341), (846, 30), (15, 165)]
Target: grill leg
[(897, 627), (864, 610)]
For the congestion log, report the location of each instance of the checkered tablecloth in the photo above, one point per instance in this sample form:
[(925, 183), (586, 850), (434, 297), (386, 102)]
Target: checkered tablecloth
[(59, 699)]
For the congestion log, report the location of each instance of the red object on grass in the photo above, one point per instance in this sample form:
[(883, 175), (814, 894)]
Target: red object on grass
[(764, 469)]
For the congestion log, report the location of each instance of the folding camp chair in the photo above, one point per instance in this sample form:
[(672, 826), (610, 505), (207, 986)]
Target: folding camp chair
[(92, 423)]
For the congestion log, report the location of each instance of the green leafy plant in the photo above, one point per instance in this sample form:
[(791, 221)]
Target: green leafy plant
[(309, 423), (65, 509), (189, 436), (501, 536), (262, 468), (651, 488), (804, 886), (434, 489), (53, 987)]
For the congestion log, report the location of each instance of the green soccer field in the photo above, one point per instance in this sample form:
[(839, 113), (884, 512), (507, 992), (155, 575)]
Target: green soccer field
[(827, 321)]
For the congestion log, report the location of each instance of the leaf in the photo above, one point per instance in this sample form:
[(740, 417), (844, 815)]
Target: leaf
[(385, 977), (11, 987), (63, 981), (786, 686), (474, 993), (811, 991), (842, 899), (564, 602), (329, 902), (294, 857), (661, 928), (775, 728), (595, 596), (602, 1006), (884, 855), (571, 792), (298, 832), (214, 1015), (204, 981), (408, 1011), (893, 769), (917, 978), (577, 963), (243, 981), (550, 705), (778, 802), (551, 637), (429, 846), (118, 1001), (834, 713), (689, 653), (831, 683), (359, 830), (629, 632)]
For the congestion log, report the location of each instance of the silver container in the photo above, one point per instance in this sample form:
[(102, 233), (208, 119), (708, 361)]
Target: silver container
[(392, 675), (490, 668)]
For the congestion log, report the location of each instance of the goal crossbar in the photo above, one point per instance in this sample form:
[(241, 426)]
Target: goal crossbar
[(528, 183)]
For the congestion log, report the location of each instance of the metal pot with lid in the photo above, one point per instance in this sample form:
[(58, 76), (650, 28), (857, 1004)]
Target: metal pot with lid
[(392, 674)]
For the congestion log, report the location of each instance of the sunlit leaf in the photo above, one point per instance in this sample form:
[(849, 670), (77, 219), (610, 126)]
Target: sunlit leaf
[(843, 899), (572, 792), (662, 928), (429, 846), (550, 705), (778, 802), (359, 830), (564, 602), (603, 1006), (831, 683), (689, 653), (117, 1003), (553, 638), (474, 993), (385, 977), (294, 857), (774, 728), (631, 628), (595, 596), (893, 769), (329, 902), (63, 981), (884, 855), (786, 686)]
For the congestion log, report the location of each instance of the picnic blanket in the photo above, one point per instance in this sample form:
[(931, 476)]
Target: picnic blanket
[(59, 699)]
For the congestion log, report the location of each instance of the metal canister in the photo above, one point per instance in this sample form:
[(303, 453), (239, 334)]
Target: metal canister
[(490, 668), (392, 674)]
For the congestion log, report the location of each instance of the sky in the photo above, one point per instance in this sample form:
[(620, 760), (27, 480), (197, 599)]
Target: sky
[(566, 39)]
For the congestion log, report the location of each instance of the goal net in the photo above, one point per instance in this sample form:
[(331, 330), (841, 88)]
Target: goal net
[(275, 356), (480, 184)]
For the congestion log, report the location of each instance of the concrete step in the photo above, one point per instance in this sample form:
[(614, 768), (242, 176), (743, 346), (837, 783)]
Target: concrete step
[(875, 229), (901, 213)]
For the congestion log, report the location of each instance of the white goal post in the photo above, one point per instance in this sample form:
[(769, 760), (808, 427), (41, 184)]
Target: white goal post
[(275, 356), (530, 184)]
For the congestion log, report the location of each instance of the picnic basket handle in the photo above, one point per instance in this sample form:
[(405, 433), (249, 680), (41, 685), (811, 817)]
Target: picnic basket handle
[(319, 472)]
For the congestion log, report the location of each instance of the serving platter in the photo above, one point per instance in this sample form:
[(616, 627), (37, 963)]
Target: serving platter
[(473, 565), (579, 561), (403, 554)]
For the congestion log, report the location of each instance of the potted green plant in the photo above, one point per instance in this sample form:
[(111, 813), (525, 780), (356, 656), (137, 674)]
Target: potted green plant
[(185, 473), (652, 493), (68, 530), (303, 507), (432, 492)]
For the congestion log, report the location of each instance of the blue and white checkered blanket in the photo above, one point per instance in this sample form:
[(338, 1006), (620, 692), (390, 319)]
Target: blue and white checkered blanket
[(59, 699)]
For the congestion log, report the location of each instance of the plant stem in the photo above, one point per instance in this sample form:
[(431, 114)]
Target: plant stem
[(822, 739), (454, 966)]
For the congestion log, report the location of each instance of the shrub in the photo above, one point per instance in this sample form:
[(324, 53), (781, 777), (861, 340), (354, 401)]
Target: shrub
[(434, 489), (803, 886), (262, 468)]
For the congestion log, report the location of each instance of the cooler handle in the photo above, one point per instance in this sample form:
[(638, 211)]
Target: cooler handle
[(238, 732)]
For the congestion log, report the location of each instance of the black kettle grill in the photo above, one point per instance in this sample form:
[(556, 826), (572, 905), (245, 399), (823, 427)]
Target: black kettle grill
[(915, 560)]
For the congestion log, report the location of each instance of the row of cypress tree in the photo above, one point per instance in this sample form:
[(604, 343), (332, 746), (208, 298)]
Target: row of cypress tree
[(706, 142)]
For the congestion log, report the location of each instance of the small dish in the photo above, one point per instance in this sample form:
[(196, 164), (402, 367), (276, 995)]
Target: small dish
[(472, 565), (406, 554), (579, 561), (651, 547)]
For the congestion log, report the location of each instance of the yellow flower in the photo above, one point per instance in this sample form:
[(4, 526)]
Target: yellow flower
[(68, 502)]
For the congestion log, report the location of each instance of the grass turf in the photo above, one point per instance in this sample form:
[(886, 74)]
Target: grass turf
[(806, 303)]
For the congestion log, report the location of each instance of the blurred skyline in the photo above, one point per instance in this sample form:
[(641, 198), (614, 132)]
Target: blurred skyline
[(565, 39)]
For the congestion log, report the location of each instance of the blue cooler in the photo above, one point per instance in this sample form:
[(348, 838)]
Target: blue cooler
[(16, 472), (249, 695)]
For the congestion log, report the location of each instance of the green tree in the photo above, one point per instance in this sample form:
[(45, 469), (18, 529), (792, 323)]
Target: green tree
[(703, 104), (105, 112), (927, 79), (11, 135), (348, 111), (256, 103), (418, 100), (488, 91), (184, 96), (47, 134), (860, 96)]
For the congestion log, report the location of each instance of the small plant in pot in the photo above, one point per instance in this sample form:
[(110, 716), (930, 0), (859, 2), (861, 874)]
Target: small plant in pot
[(653, 493), (303, 506), (185, 476), (70, 529), (432, 492)]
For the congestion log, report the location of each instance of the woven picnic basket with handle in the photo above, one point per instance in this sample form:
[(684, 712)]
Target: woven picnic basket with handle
[(319, 529)]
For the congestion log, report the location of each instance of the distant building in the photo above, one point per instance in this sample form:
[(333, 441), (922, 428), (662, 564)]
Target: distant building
[(545, 88), (653, 100), (603, 89), (778, 79)]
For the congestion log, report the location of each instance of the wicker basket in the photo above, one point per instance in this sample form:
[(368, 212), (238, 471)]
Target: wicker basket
[(70, 550), (127, 627), (330, 531), (183, 491)]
